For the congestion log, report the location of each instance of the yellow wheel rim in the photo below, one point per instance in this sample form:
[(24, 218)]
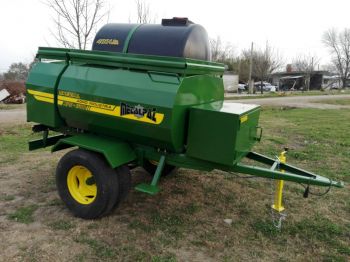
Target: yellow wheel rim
[(81, 185)]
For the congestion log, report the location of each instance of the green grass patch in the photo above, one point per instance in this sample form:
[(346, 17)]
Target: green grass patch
[(11, 106), (164, 258), (317, 228), (14, 142), (172, 225), (24, 214), (333, 258), (265, 227), (7, 197), (344, 101), (191, 208), (61, 225), (99, 248), (315, 136)]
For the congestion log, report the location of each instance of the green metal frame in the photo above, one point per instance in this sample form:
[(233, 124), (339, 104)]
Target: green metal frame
[(168, 71), (118, 153), (153, 188), (291, 173), (45, 141)]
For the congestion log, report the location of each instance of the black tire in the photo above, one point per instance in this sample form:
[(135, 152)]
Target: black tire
[(124, 177), (104, 179), (124, 184), (151, 168)]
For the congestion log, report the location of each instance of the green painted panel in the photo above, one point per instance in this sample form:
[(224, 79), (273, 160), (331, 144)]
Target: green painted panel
[(119, 88), (41, 88), (247, 134), (168, 95), (221, 132), (115, 151), (136, 98)]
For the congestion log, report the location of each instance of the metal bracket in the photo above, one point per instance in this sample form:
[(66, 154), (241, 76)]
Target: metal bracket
[(258, 138), (153, 188)]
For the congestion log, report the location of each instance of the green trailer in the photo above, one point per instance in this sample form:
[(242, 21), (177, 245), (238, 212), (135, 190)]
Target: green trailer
[(127, 107)]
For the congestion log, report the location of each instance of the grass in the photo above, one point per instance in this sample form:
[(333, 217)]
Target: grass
[(185, 221), (14, 141), (23, 214), (343, 102), (312, 135), (11, 106), (7, 197), (61, 225), (167, 258), (99, 248)]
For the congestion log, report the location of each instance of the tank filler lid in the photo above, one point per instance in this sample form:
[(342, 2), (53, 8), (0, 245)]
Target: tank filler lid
[(176, 21)]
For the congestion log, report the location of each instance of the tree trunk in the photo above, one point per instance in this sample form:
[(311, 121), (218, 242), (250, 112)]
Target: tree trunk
[(261, 87), (307, 82), (343, 82)]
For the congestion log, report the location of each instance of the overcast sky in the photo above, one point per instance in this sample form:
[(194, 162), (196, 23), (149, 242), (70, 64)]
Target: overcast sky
[(293, 27)]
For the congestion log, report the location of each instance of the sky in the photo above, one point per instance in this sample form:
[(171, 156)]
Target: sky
[(291, 27)]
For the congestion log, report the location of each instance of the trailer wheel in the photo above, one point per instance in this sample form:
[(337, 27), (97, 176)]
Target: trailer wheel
[(123, 183), (124, 177), (87, 184), (150, 166)]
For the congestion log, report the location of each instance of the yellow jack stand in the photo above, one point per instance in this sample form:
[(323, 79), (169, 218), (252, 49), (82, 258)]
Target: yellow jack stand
[(277, 205)]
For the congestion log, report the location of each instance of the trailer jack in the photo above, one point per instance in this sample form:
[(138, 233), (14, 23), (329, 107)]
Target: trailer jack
[(277, 203)]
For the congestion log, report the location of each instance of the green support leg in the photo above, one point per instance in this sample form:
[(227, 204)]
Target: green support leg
[(153, 189)]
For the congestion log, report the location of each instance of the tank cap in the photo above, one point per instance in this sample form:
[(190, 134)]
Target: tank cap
[(176, 21)]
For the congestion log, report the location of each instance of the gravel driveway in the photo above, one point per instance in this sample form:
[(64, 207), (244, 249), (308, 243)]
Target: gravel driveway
[(296, 101), (13, 116)]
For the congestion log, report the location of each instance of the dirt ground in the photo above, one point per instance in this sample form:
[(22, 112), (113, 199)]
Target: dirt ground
[(185, 221)]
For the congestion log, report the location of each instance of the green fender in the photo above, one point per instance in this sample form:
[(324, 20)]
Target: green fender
[(115, 151)]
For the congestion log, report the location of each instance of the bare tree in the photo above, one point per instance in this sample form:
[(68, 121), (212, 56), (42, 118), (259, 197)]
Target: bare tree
[(265, 62), (220, 51), (330, 67), (223, 53), (143, 12), (17, 71), (338, 44), (306, 64), (76, 20)]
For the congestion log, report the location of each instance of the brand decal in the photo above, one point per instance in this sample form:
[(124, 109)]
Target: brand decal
[(138, 111), (107, 41), (123, 110)]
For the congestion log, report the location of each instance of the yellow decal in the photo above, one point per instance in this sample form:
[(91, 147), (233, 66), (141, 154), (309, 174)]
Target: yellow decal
[(243, 118), (41, 96), (73, 100), (103, 41), (69, 94)]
